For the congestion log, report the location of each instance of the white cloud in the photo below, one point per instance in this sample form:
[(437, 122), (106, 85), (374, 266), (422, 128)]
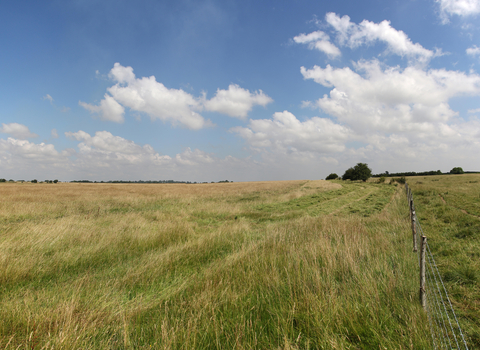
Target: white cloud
[(174, 106), (189, 157), (54, 133), (391, 99), (48, 97), (458, 7), (109, 148), (236, 102), (22, 159), (286, 134), (366, 33), (122, 74), (108, 110), (105, 156), (33, 152), (153, 98), (320, 41), (473, 51), (19, 131)]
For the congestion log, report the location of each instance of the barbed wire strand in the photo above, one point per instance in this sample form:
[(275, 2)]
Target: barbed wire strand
[(439, 302), (448, 298), (430, 315), (430, 259), (435, 303)]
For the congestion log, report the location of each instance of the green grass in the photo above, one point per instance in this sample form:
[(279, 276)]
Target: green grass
[(294, 265), (448, 208)]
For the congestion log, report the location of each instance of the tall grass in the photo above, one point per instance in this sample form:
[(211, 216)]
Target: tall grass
[(449, 211), (279, 265)]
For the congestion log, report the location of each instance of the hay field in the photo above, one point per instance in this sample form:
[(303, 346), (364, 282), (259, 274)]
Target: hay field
[(263, 265), (449, 211)]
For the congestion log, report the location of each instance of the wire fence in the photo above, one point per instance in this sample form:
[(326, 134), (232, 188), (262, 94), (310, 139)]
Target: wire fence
[(443, 322)]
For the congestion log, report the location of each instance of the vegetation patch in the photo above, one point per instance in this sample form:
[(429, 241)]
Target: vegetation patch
[(295, 265), (448, 209)]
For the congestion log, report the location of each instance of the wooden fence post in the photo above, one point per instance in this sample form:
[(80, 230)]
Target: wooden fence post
[(423, 294), (411, 205), (414, 230)]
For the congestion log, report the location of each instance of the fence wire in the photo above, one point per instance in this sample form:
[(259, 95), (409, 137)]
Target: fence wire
[(443, 322)]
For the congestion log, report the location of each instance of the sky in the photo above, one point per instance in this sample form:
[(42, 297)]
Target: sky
[(206, 90)]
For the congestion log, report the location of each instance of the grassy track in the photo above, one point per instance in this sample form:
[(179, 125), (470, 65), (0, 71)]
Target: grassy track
[(277, 265), (449, 208)]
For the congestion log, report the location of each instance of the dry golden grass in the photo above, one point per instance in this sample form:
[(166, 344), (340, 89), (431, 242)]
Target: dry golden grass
[(234, 266)]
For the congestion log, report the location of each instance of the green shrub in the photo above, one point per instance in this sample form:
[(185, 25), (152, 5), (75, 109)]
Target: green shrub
[(361, 171), (332, 176), (457, 170)]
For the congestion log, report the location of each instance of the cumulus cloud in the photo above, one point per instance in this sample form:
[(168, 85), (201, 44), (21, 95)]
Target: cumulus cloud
[(286, 134), (22, 159), (473, 51), (106, 156), (105, 148), (354, 35), (108, 110), (155, 99), (320, 41), (28, 150), (461, 8), (122, 74), (174, 106), (189, 157), (391, 99), (18, 131), (236, 102)]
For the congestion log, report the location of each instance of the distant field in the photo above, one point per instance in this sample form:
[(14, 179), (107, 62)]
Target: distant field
[(449, 211), (265, 265)]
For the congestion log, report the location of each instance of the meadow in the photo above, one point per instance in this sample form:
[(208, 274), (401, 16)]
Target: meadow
[(261, 265), (449, 211)]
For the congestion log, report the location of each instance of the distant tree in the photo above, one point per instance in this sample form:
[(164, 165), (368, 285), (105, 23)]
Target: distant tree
[(361, 171), (3, 180), (349, 174), (332, 176), (55, 181), (34, 181), (457, 170)]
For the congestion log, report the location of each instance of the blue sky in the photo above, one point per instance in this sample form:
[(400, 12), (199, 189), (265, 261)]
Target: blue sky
[(237, 90)]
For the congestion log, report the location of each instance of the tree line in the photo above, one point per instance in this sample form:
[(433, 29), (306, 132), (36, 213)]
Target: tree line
[(362, 172)]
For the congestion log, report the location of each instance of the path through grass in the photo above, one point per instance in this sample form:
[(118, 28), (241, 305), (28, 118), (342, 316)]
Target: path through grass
[(278, 265)]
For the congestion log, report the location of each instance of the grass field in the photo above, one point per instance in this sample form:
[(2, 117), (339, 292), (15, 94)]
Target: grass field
[(266, 265), (449, 211)]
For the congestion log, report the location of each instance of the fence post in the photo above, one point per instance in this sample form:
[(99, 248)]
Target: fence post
[(423, 295), (414, 230)]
